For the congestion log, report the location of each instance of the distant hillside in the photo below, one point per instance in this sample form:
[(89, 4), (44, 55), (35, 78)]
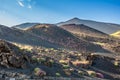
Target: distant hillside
[(101, 26), (116, 34), (24, 25), (19, 36), (47, 35), (81, 29), (57, 35), (94, 36)]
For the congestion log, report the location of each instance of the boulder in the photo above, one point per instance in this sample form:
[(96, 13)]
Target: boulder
[(12, 56)]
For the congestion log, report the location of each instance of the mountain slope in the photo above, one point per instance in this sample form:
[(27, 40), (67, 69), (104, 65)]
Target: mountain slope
[(19, 36), (94, 36), (57, 35), (81, 29), (101, 26), (24, 25), (116, 34)]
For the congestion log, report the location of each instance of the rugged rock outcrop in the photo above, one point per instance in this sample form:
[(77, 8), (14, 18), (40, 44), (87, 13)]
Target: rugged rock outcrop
[(116, 48), (11, 56)]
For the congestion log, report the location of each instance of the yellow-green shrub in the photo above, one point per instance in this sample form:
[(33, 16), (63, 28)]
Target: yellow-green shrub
[(58, 74)]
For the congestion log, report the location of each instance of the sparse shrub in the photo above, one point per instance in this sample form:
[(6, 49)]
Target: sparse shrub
[(51, 61), (39, 72), (36, 69), (91, 73), (55, 50), (116, 63), (66, 66), (52, 49), (46, 50), (58, 74), (42, 60), (67, 72), (81, 73), (63, 62), (34, 58)]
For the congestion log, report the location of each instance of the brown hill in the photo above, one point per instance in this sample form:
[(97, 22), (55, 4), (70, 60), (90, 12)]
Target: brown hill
[(94, 36), (20, 36), (59, 36), (81, 29)]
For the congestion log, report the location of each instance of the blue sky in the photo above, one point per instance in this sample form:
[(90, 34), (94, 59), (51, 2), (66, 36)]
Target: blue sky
[(14, 12)]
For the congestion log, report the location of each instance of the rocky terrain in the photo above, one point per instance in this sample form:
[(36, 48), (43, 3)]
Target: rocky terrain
[(75, 49), (39, 63), (59, 36), (11, 56), (48, 35)]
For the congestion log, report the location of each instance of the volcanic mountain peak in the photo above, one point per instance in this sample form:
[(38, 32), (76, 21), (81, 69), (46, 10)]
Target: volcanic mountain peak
[(75, 19), (101, 26)]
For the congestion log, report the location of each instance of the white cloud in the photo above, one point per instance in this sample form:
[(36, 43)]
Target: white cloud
[(20, 3), (25, 3)]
